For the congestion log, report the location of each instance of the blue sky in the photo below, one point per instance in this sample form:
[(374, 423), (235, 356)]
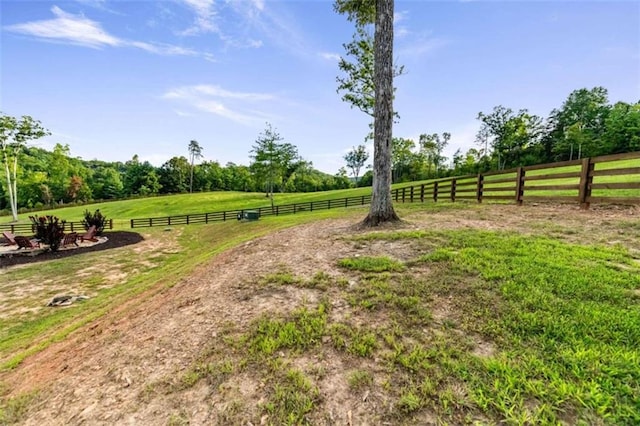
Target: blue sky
[(118, 78)]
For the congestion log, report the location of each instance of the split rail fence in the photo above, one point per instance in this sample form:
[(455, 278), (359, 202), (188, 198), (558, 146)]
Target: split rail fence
[(596, 180)]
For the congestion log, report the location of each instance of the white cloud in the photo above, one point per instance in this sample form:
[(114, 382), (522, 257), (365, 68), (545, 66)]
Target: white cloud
[(420, 46), (75, 29), (98, 4), (234, 106), (274, 23), (258, 4), (81, 31), (330, 56), (207, 21), (401, 32), (205, 17), (400, 16)]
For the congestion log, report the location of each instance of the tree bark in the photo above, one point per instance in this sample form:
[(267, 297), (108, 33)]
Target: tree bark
[(10, 186), (381, 209)]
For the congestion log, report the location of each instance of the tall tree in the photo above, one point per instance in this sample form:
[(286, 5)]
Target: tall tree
[(14, 135), (172, 175), (272, 159), (401, 156), (140, 178), (579, 125), (622, 126), (432, 146), (379, 13), (510, 135), (355, 160), (195, 152)]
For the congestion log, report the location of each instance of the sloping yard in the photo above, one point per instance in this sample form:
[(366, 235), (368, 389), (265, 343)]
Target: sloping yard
[(461, 314)]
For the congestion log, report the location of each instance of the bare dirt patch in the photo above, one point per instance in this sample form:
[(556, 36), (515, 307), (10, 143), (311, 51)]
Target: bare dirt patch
[(101, 374)]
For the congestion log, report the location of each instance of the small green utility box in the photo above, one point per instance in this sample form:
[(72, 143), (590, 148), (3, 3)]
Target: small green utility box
[(250, 215)]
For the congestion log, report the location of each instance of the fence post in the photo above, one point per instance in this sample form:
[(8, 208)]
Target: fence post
[(422, 193), (396, 194), (132, 226), (329, 205), (187, 219), (403, 192), (480, 187), (520, 186), (276, 210), (411, 195), (362, 200), (224, 216), (586, 179), (169, 220), (435, 191), (311, 206), (110, 223), (150, 222), (453, 190), (294, 208), (206, 218)]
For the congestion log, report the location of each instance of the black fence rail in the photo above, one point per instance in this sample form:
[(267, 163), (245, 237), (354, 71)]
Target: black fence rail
[(26, 228), (223, 216)]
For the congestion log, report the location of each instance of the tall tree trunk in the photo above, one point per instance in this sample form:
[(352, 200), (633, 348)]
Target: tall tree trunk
[(15, 186), (10, 186), (381, 202), (191, 178)]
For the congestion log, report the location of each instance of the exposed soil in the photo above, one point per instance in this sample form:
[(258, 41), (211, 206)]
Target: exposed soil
[(102, 373), (115, 239)]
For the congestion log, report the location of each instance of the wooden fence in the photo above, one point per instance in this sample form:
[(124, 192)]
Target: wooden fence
[(262, 211), (26, 228), (585, 181)]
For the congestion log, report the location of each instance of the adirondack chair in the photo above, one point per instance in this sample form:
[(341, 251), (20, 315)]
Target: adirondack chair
[(68, 239), (26, 243), (9, 237), (90, 235)]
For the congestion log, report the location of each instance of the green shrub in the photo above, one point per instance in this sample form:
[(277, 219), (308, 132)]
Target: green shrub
[(49, 230), (96, 219)]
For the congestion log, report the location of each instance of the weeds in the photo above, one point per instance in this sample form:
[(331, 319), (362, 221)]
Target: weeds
[(371, 264)]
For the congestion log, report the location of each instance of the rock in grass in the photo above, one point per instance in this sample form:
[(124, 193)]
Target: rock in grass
[(65, 300)]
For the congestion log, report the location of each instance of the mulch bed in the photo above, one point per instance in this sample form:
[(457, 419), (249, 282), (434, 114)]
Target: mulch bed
[(116, 239)]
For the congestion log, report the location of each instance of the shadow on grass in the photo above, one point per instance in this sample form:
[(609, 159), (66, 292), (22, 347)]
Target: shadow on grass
[(115, 239)]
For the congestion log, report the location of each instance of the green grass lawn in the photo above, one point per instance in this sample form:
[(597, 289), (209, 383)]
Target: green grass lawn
[(122, 211), (470, 325)]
